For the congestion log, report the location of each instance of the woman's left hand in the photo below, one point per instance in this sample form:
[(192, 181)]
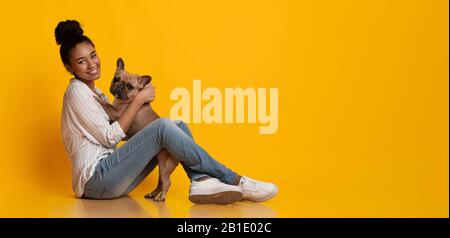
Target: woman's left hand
[(147, 94)]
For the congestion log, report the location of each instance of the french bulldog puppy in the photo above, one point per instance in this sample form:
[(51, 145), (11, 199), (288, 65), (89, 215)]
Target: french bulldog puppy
[(124, 87)]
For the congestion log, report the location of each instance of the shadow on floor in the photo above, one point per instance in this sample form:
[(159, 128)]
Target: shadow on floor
[(125, 207)]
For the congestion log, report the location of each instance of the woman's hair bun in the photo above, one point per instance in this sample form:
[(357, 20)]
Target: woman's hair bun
[(68, 31)]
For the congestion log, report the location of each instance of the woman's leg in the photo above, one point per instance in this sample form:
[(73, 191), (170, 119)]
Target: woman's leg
[(116, 173), (193, 175)]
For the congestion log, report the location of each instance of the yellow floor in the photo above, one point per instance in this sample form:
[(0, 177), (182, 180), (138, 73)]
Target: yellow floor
[(134, 205), (131, 206), (51, 196), (55, 199)]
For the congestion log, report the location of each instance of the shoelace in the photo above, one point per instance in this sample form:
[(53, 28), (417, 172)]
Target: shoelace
[(250, 185)]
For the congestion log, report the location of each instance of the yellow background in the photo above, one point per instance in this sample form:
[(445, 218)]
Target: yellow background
[(363, 100)]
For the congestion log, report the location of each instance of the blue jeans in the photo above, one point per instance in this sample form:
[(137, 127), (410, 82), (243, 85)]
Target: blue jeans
[(123, 170)]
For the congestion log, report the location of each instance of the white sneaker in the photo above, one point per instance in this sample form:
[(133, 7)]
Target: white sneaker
[(213, 191), (257, 191)]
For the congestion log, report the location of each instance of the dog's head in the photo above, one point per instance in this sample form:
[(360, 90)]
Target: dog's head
[(125, 85)]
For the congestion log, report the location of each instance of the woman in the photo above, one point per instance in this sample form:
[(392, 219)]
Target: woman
[(102, 171)]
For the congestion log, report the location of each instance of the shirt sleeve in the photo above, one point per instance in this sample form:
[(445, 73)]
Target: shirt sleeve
[(91, 120)]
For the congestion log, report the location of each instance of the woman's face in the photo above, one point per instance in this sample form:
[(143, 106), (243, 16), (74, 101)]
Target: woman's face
[(84, 62)]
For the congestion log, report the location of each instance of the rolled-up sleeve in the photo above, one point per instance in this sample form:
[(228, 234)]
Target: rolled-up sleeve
[(91, 119)]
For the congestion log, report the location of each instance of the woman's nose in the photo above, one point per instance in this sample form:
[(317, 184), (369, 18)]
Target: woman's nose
[(91, 64)]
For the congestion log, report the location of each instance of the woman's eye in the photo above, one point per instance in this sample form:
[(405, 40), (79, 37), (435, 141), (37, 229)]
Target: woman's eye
[(94, 56), (81, 62)]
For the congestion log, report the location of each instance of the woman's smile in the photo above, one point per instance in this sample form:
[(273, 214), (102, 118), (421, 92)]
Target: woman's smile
[(94, 71)]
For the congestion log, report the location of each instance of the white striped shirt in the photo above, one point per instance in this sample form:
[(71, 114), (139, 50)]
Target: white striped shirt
[(86, 133)]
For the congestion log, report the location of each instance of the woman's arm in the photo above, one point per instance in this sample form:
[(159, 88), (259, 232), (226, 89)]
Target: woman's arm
[(83, 108), (88, 117), (146, 95), (127, 117)]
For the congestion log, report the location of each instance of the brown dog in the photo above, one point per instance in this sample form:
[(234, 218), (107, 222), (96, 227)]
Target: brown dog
[(124, 87)]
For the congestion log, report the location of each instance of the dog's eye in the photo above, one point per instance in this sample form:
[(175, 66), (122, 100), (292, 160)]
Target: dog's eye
[(129, 87), (116, 79)]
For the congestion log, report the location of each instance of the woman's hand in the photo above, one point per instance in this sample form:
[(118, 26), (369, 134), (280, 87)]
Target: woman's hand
[(147, 94)]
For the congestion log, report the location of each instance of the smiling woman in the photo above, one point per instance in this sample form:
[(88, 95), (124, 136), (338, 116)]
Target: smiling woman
[(78, 52), (102, 171)]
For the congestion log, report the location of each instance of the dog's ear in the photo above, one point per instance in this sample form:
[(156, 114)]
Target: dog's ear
[(145, 79), (120, 64)]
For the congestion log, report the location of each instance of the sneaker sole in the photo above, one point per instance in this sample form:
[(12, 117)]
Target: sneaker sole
[(227, 197)]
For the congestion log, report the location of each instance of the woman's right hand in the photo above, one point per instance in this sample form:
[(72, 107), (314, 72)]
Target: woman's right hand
[(147, 94)]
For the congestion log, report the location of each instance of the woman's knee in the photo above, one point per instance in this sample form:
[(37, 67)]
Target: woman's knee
[(184, 127), (165, 125), (162, 122), (157, 126)]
